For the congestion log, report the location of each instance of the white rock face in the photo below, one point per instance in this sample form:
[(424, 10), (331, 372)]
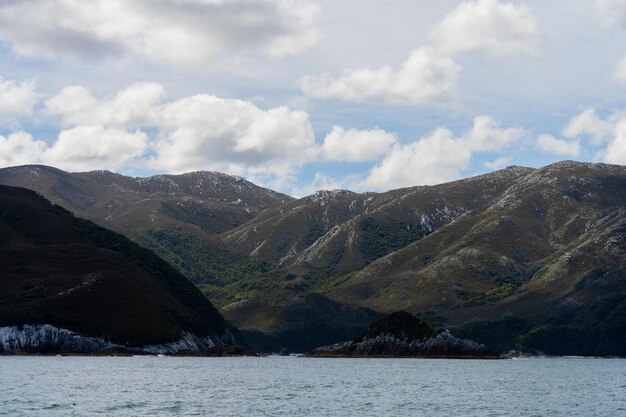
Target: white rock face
[(44, 338), (442, 345), (190, 342)]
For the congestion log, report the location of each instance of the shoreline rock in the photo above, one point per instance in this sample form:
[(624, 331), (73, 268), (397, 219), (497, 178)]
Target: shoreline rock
[(444, 345), (402, 335), (45, 339)]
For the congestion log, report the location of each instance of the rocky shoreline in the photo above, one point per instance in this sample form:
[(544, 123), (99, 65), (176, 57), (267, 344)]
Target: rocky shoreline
[(45, 339), (444, 345), (402, 335)]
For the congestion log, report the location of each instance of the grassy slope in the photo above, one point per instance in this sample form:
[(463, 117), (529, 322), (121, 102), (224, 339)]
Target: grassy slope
[(551, 254)]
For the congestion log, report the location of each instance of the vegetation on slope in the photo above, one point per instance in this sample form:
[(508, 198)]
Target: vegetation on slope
[(68, 272)]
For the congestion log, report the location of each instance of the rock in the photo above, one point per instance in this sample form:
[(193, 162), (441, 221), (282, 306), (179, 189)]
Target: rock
[(403, 335), (45, 338)]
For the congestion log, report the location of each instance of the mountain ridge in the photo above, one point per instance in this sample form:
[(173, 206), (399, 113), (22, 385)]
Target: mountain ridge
[(476, 250)]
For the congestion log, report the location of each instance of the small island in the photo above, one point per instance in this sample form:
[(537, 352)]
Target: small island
[(403, 335)]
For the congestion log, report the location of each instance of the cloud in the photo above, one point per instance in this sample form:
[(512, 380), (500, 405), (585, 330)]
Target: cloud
[(615, 152), (86, 148), (620, 71), (499, 163), (612, 12), (487, 26), (20, 148), (588, 123), (233, 136), (134, 105), (429, 73), (440, 156), (179, 32), (17, 98), (430, 160), (82, 148), (607, 135), (423, 77), (207, 132), (322, 181), (560, 147), (356, 145), (487, 136)]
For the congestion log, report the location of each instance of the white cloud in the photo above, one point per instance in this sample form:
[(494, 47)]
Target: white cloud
[(17, 98), (430, 160), (608, 132), (499, 163), (560, 147), (487, 136), (440, 156), (86, 148), (429, 74), (322, 181), (615, 152), (20, 148), (589, 123), (206, 132), (620, 71), (134, 105), (612, 12), (423, 77), (356, 145), (487, 26), (180, 32), (82, 148)]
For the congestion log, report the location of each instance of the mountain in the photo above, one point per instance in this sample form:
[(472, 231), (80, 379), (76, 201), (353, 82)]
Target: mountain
[(343, 231), (516, 259), (176, 216), (547, 260), (521, 258), (67, 284)]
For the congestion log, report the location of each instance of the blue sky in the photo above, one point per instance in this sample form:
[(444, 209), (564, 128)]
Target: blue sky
[(299, 95)]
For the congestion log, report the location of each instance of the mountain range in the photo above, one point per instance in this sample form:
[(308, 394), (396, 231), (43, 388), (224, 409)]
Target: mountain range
[(521, 258)]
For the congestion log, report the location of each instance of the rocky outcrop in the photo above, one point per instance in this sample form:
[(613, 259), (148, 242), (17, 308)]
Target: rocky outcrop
[(46, 339), (402, 334), (444, 345), (192, 343)]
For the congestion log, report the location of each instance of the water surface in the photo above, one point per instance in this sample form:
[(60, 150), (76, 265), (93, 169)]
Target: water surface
[(292, 386)]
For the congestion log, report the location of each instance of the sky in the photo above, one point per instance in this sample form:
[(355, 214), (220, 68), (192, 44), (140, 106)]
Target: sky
[(300, 95)]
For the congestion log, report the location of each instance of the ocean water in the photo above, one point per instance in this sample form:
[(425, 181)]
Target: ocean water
[(293, 386)]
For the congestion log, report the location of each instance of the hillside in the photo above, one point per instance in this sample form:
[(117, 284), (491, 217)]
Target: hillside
[(176, 216), (537, 255), (61, 274), (531, 259)]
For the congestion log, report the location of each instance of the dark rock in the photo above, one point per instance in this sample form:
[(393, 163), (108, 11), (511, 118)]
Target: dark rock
[(404, 335)]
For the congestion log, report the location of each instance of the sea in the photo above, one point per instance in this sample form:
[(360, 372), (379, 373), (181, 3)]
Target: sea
[(51, 386)]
